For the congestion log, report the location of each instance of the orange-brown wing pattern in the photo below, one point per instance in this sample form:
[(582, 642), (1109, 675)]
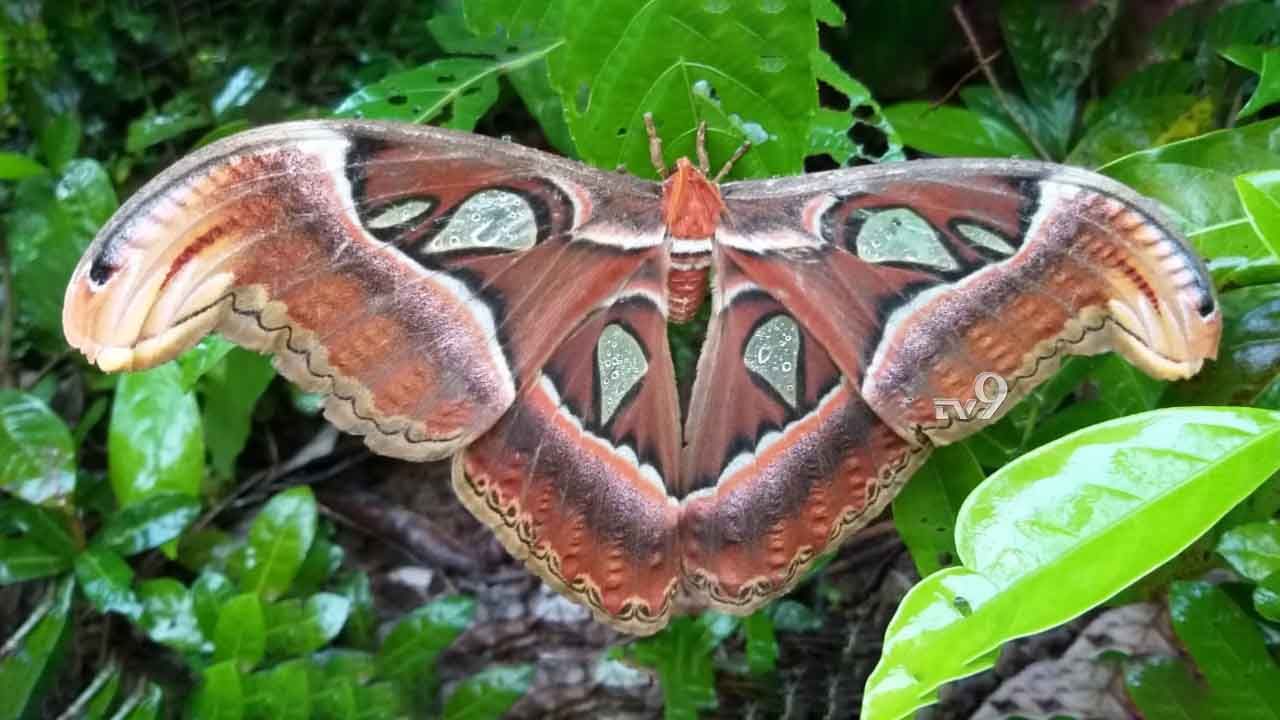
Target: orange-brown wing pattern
[(407, 272)]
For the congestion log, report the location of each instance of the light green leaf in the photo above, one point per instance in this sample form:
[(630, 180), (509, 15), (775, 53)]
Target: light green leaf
[(204, 357), (209, 593), (681, 653), (168, 615), (762, 643), (463, 89), (37, 646), (37, 455), (1260, 196), (925, 510), (149, 523), (240, 634), (220, 695), (1068, 505), (489, 693), (281, 693), (229, 393), (278, 542), (956, 132), (1253, 549), (15, 166), (107, 580), (155, 444)]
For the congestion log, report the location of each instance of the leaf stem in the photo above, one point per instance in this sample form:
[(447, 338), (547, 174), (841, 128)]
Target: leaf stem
[(984, 64)]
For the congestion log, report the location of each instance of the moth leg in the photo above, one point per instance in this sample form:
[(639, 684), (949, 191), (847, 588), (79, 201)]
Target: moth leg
[(737, 155), (704, 163), (655, 146)]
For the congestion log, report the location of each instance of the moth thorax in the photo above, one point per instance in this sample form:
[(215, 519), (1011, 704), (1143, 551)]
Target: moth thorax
[(691, 208)]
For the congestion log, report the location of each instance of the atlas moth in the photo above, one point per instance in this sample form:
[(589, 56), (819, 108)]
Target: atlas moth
[(458, 296)]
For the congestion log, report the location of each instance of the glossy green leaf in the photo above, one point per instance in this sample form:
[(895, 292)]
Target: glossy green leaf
[(205, 356), (229, 393), (149, 523), (362, 624), (1068, 505), (155, 444), (180, 115), (60, 140), (36, 650), (240, 88), (489, 693), (240, 634), (1140, 124), (15, 166), (459, 90), (925, 510), (278, 541), (1248, 354), (956, 132), (748, 69), (295, 627), (409, 652), (681, 653), (762, 643), (1166, 688), (322, 561), (1253, 549), (37, 455), (1266, 597), (168, 615), (51, 222), (107, 580), (1228, 649), (209, 593), (42, 546), (1260, 195), (1244, 23), (220, 695), (1268, 90), (281, 693)]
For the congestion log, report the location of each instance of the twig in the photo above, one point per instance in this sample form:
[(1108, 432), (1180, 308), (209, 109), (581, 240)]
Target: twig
[(408, 530), (950, 93), (984, 65)]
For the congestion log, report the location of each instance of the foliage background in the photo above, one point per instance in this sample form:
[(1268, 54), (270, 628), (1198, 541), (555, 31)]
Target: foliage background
[(194, 540)]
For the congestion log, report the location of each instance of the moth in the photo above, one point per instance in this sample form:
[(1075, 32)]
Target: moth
[(466, 297)]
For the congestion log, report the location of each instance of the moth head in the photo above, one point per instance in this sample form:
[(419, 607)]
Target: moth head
[(691, 203)]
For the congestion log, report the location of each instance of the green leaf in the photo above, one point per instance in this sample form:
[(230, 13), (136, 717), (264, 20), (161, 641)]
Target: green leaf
[(230, 391), (154, 444), (925, 510), (830, 130), (362, 625), (1245, 23), (953, 131), (209, 593), (297, 628), (460, 89), (15, 166), (107, 580), (489, 693), (1248, 354), (240, 634), (176, 117), (1260, 196), (748, 69), (1268, 90), (169, 616), (762, 643), (37, 650), (149, 523), (1228, 649), (221, 694), (27, 558), (1140, 124), (1166, 688), (1252, 549), (278, 542), (51, 222), (322, 561), (144, 703), (1266, 597), (37, 455), (96, 698), (681, 653), (281, 693), (408, 654), (60, 140), (1068, 505), (204, 357), (240, 88)]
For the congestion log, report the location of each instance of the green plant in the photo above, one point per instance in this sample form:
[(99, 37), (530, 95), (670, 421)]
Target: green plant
[(137, 528)]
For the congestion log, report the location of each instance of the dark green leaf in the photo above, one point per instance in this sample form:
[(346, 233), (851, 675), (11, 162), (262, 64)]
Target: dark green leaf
[(1245, 23), (1266, 597), (37, 456), (107, 580), (60, 140), (96, 699), (322, 561), (240, 634), (1248, 354), (145, 703), (24, 559), (489, 693), (168, 615), (1166, 688), (762, 643), (281, 693), (178, 116), (155, 444), (681, 653), (278, 542), (362, 625), (241, 88), (220, 696), (1140, 124), (925, 510), (953, 131), (230, 391), (36, 650), (377, 701), (408, 654), (791, 616), (1252, 549), (46, 528), (297, 628), (51, 222), (149, 523), (1228, 649), (209, 593)]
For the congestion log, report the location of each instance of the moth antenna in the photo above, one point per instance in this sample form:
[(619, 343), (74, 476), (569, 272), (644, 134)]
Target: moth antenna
[(655, 146), (704, 163), (737, 155)]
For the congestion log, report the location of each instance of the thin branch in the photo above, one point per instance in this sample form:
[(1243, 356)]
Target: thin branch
[(984, 64), (966, 78)]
